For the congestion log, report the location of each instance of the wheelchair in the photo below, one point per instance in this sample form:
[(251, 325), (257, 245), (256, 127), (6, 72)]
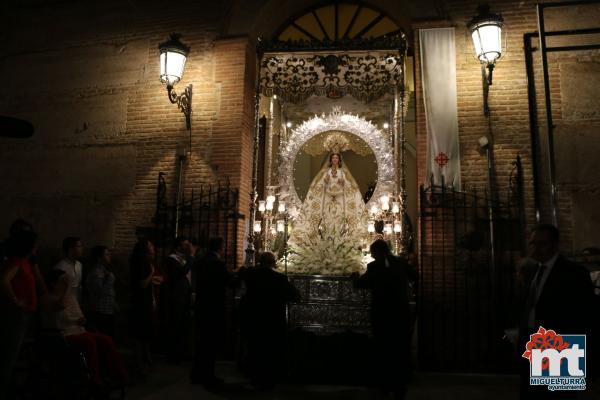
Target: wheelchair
[(50, 369)]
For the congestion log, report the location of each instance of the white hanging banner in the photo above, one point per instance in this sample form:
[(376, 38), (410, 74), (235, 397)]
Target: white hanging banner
[(438, 72)]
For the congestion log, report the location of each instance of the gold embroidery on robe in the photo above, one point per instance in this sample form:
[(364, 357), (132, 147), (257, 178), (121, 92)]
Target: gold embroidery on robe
[(331, 228)]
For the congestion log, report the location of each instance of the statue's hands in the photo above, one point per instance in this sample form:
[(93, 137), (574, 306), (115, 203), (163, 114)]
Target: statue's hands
[(327, 179)]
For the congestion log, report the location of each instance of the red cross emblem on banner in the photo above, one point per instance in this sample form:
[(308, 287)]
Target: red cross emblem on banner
[(441, 159)]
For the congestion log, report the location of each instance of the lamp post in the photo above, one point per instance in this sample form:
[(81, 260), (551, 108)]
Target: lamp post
[(173, 55), (486, 33)]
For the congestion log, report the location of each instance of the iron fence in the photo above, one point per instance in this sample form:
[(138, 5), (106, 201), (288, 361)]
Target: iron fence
[(207, 212), (469, 244)]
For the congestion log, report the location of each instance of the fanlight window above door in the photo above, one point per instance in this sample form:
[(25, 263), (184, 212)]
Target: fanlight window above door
[(339, 22)]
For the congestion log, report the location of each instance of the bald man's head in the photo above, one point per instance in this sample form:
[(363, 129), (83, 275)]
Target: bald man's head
[(268, 260)]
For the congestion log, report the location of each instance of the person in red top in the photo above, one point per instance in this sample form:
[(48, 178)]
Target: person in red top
[(18, 301)]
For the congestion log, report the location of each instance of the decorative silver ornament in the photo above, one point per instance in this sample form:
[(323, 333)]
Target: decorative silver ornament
[(336, 120)]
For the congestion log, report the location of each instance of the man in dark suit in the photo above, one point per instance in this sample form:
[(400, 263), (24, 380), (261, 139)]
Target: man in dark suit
[(388, 279), (263, 319), (178, 297), (557, 294), (212, 279)]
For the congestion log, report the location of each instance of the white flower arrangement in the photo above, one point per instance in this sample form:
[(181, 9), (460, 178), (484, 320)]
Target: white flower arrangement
[(326, 253)]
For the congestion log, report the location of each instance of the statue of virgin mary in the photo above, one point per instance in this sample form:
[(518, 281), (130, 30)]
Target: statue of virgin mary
[(330, 231)]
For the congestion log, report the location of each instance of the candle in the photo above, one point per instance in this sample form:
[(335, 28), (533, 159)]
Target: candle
[(371, 226), (388, 228), (280, 225)]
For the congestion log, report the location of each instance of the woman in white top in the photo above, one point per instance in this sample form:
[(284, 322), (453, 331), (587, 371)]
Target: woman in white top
[(64, 315), (73, 250)]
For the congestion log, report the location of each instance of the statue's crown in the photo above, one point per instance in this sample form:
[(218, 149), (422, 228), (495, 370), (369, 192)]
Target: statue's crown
[(336, 143)]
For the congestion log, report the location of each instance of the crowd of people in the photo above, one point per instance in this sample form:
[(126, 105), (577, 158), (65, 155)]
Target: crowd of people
[(79, 304), (36, 305)]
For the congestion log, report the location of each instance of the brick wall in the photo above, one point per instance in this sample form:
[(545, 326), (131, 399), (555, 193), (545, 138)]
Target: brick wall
[(87, 77), (445, 268), (508, 102), (104, 125)]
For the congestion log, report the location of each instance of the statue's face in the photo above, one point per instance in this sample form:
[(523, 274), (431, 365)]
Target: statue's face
[(335, 160)]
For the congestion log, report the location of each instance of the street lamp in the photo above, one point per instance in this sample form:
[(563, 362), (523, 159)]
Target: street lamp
[(486, 33), (173, 55)]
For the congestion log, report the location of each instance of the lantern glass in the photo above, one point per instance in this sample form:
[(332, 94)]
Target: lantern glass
[(395, 207), (385, 206), (397, 226), (374, 209), (280, 225), (487, 40), (257, 226), (385, 199), (261, 205), (269, 205), (270, 199), (281, 207), (171, 67), (173, 54)]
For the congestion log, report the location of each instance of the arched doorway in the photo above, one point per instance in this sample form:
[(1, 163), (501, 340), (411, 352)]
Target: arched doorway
[(342, 56), (339, 70)]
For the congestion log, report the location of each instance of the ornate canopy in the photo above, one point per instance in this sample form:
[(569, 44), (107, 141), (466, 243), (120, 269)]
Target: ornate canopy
[(365, 75)]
